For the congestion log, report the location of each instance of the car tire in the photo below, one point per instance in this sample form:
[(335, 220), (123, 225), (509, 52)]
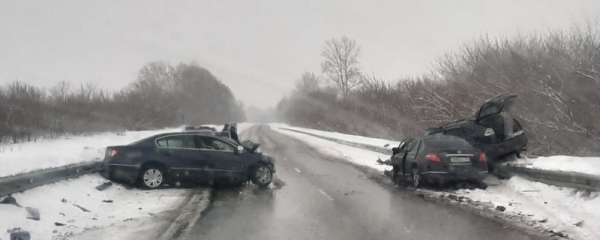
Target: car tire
[(261, 175), (416, 179), (396, 178), (152, 177)]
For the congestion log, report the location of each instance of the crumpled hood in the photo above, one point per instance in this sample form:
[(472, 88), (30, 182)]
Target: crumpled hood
[(250, 146)]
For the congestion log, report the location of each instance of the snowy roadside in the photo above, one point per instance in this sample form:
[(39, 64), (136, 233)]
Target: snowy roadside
[(589, 165), (49, 153), (565, 211), (60, 216), (346, 137)]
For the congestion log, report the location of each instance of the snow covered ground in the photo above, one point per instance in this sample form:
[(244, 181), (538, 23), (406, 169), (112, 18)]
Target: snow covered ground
[(568, 211), (49, 153), (56, 204), (589, 165)]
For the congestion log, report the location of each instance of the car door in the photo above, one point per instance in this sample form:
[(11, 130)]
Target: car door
[(182, 155), (412, 151), (223, 161)]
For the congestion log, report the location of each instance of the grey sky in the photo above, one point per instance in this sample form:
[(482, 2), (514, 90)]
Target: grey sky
[(258, 48)]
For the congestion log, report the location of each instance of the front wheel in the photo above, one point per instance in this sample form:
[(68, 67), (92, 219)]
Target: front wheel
[(261, 175)]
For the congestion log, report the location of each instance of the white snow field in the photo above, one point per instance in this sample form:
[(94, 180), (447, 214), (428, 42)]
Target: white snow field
[(569, 211), (49, 153), (56, 204)]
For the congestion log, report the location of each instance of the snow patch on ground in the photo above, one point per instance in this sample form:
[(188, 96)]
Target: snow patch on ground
[(550, 207), (589, 165), (55, 203), (49, 153)]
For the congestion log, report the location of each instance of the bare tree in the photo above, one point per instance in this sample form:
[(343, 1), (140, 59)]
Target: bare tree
[(308, 83), (341, 64)]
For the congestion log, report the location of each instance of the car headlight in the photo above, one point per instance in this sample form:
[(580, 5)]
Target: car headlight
[(489, 132)]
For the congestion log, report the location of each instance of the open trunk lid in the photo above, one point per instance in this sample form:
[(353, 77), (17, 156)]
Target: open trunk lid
[(495, 106)]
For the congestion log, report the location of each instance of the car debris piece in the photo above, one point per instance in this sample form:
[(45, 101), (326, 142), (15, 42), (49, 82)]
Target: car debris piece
[(579, 224), (59, 224), (20, 235), (107, 201), (543, 220), (500, 208), (104, 186), (33, 213), (386, 162), (10, 200), (82, 208)]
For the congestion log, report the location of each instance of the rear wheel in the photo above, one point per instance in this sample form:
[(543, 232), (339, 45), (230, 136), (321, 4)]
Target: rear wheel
[(152, 177), (261, 175), (417, 180)]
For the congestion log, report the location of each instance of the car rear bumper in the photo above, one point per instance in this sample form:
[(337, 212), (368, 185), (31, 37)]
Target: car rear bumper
[(456, 175), (120, 172)]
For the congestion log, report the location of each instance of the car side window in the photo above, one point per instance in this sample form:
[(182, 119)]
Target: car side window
[(410, 146), (415, 147), (177, 141), (455, 132), (210, 143)]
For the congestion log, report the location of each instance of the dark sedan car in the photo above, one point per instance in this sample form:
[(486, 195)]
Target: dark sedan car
[(437, 158), (171, 157), (493, 130)]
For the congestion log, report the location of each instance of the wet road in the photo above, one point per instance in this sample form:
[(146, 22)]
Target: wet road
[(321, 198)]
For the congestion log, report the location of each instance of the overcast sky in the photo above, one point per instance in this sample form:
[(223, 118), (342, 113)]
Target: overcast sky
[(258, 48)]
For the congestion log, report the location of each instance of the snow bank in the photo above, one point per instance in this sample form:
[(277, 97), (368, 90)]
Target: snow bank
[(55, 203), (555, 208), (589, 165), (350, 138), (49, 153)]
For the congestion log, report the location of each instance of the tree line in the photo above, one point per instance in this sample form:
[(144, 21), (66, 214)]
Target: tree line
[(556, 75), (162, 96)]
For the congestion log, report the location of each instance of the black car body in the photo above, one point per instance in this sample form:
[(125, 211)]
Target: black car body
[(488, 131), (437, 158), (187, 156)]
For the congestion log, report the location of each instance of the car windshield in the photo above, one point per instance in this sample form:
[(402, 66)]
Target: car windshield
[(300, 119)]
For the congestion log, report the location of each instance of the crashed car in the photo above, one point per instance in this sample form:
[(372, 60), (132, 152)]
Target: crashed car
[(493, 130), (437, 159), (172, 157)]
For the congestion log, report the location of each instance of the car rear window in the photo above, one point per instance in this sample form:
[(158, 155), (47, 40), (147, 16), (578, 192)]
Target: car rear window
[(448, 143)]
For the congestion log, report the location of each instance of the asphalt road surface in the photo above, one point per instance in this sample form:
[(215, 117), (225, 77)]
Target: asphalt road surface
[(316, 197)]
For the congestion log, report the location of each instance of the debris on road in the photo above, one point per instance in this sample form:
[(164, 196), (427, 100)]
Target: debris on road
[(104, 186), (33, 213), (10, 200), (82, 208), (18, 234), (107, 201), (59, 224), (500, 208), (579, 224)]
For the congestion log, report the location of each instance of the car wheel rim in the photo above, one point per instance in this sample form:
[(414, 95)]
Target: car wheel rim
[(153, 178), (263, 174)]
